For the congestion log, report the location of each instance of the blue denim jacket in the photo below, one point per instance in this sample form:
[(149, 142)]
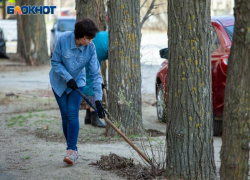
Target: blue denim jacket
[(69, 61)]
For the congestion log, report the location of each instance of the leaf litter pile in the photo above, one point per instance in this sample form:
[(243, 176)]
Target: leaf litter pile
[(124, 167)]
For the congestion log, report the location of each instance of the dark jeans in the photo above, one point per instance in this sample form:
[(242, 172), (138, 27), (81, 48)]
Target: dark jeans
[(69, 105)]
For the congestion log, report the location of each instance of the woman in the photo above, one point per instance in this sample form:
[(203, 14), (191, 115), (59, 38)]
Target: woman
[(73, 51)]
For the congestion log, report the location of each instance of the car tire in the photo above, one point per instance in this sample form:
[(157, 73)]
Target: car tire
[(217, 127), (160, 104), (4, 48)]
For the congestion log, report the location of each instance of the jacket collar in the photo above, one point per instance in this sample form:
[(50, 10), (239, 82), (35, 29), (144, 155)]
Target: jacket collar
[(73, 43)]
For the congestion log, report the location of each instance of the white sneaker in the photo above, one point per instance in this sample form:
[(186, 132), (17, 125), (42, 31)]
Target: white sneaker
[(71, 157)]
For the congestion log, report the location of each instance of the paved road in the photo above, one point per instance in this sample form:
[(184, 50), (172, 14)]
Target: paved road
[(148, 73), (39, 79)]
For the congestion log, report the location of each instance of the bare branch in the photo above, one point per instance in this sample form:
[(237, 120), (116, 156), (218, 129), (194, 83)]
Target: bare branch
[(151, 14), (143, 4), (147, 14)]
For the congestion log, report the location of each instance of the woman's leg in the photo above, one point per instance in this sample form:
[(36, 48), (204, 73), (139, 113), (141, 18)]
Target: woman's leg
[(74, 101), (63, 106)]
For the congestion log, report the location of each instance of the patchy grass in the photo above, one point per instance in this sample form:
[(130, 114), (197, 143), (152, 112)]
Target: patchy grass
[(20, 120), (102, 139), (134, 136), (39, 110), (117, 137), (33, 115), (27, 157), (42, 121)]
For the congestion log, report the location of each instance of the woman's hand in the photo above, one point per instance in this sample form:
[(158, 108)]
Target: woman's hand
[(100, 109), (72, 84)]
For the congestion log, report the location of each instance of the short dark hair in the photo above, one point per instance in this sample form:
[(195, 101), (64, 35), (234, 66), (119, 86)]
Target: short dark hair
[(85, 27)]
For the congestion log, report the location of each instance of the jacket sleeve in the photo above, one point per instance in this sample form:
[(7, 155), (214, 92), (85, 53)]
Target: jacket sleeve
[(57, 64), (94, 72)]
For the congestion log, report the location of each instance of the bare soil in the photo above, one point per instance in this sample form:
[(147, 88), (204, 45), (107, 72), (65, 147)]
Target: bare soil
[(126, 167), (32, 142)]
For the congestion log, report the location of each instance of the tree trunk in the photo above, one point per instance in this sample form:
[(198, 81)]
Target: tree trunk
[(93, 9), (104, 68), (32, 38), (124, 65), (190, 152), (236, 120)]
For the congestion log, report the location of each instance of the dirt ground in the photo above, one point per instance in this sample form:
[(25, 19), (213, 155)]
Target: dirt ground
[(31, 139)]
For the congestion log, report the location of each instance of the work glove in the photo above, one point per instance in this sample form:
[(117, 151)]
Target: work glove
[(72, 84), (100, 109), (104, 86)]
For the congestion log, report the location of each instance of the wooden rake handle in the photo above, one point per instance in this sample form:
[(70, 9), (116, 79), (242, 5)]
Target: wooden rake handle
[(116, 129), (127, 140)]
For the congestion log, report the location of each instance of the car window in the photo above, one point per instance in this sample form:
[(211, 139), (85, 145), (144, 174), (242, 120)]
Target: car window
[(66, 25), (215, 40), (230, 31)]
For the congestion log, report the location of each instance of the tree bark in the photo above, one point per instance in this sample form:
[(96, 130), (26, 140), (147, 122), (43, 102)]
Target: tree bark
[(32, 38), (190, 152), (236, 119), (93, 9), (124, 66)]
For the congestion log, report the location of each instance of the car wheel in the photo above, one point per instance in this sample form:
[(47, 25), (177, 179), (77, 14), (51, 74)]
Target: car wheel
[(217, 126), (4, 49), (160, 104)]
